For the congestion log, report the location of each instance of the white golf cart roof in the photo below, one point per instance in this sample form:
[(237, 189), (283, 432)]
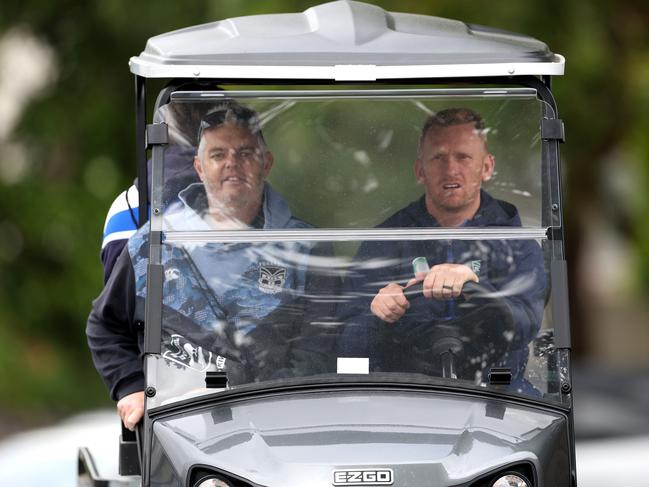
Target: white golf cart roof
[(343, 41)]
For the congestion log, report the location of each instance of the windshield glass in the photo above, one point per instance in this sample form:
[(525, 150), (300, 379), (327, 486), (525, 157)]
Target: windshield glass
[(348, 161), (328, 233)]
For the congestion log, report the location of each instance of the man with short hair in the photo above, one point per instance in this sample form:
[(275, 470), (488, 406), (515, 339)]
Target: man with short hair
[(219, 292), (452, 163)]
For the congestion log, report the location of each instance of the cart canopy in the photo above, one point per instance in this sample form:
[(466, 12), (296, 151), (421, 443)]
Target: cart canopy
[(343, 41)]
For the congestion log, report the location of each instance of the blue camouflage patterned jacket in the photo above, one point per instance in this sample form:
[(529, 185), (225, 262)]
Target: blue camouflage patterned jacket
[(246, 302)]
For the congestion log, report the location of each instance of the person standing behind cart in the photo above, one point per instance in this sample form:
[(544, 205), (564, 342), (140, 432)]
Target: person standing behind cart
[(232, 162), (121, 223), (452, 163)]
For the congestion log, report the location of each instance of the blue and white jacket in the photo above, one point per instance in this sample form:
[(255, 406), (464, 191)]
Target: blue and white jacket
[(246, 302), (123, 216)]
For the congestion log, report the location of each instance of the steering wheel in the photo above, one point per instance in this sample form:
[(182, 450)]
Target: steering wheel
[(460, 347)]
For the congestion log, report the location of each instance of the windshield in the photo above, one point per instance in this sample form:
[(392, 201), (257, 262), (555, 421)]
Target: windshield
[(316, 234)]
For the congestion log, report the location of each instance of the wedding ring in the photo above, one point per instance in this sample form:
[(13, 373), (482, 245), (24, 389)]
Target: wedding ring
[(445, 286)]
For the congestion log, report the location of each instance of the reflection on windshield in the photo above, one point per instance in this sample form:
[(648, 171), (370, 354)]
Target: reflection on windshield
[(467, 310), (254, 311), (485, 328), (349, 163), (285, 310)]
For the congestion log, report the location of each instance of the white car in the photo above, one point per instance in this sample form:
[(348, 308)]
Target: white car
[(49, 456)]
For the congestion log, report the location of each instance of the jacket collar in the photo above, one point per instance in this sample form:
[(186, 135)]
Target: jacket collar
[(194, 205), (491, 213)]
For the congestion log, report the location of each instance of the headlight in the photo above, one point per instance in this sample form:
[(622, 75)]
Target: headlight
[(511, 480), (212, 482)]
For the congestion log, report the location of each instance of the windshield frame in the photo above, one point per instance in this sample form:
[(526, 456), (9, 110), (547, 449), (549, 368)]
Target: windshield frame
[(397, 382), (550, 162)]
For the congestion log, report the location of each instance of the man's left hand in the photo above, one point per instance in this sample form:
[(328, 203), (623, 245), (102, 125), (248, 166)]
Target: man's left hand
[(131, 409), (445, 281)]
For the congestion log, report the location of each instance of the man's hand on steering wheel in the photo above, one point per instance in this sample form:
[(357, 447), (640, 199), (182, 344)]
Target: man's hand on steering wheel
[(390, 304), (445, 281)]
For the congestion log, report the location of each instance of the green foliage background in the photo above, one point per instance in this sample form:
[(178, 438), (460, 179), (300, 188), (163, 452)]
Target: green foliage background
[(79, 140)]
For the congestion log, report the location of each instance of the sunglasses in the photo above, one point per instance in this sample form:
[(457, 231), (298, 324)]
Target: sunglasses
[(230, 113)]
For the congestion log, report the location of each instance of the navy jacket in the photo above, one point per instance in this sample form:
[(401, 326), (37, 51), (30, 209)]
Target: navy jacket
[(515, 267)]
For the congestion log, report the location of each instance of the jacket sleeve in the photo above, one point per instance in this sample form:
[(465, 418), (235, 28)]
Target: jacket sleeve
[(532, 300), (525, 290), (109, 255), (114, 335)]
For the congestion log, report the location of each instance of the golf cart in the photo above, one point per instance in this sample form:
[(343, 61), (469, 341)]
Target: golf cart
[(281, 375)]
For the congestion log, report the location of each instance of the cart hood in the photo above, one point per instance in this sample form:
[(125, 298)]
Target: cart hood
[(300, 439)]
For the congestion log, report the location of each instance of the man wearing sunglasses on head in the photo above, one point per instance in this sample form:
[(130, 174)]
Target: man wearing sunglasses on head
[(239, 303)]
